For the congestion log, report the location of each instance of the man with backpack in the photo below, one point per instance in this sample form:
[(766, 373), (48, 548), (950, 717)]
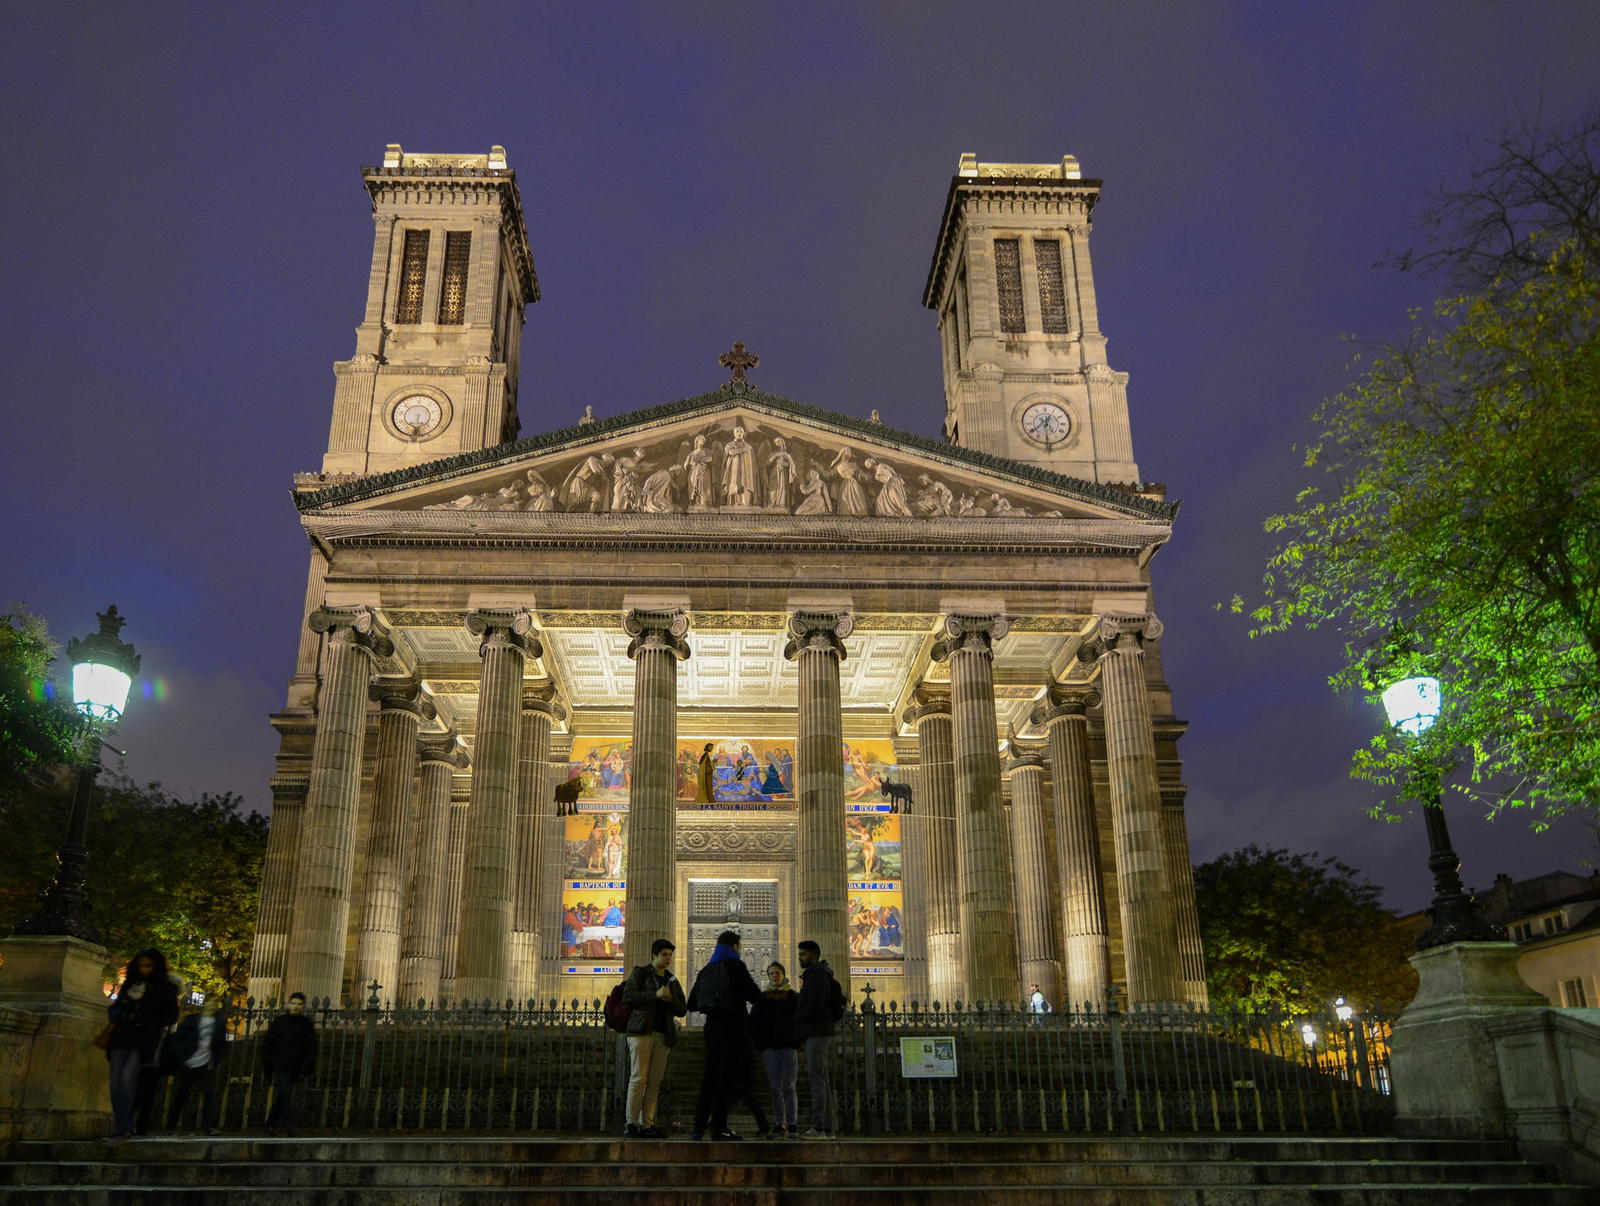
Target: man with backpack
[(816, 1013), (722, 991), (653, 997)]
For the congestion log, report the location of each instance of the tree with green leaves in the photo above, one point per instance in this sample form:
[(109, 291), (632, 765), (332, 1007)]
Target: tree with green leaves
[(1292, 932), (1454, 525), (38, 730), (181, 875)]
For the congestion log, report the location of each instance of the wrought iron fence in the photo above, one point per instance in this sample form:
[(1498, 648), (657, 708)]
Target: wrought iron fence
[(555, 1067)]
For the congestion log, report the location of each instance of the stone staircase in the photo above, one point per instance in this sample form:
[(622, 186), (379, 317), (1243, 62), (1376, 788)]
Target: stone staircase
[(423, 1170)]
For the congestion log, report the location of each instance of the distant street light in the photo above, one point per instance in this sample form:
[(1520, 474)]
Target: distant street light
[(1413, 705), (103, 666), (1343, 1010)]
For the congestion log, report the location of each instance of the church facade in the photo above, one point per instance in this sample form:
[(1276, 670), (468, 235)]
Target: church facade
[(732, 660)]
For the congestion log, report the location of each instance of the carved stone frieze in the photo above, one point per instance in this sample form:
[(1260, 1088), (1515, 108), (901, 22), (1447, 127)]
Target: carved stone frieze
[(735, 841)]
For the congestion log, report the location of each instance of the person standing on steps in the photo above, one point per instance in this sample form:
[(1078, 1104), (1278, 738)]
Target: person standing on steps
[(656, 998), (289, 1054), (145, 1005), (722, 991), (772, 1030), (192, 1055), (816, 1013)]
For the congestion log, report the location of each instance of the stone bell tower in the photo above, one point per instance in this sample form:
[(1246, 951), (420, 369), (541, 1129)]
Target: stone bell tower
[(1025, 367), (437, 352)]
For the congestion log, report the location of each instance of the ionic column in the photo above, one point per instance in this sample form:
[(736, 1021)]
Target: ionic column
[(935, 810), (1085, 944), (320, 915), (488, 871), (403, 708), (1149, 930), (456, 844), (539, 712), (988, 949), (422, 943), (656, 649), (1036, 937), (277, 889), (1180, 874), (816, 645)]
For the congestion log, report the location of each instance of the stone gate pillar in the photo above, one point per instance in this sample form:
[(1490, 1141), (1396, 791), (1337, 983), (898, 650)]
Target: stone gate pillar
[(937, 896), (816, 645), (1149, 926), (320, 914), (402, 709), (488, 871), (988, 945), (422, 941), (1085, 942), (656, 649), (1036, 897), (534, 806)]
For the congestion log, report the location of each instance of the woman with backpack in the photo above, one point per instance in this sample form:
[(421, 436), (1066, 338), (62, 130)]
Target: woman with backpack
[(772, 1032), (655, 999)]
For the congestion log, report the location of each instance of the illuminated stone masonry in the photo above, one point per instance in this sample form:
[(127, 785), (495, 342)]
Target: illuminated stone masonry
[(732, 661)]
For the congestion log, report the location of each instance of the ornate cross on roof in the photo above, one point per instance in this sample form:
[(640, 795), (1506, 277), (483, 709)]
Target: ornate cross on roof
[(738, 360)]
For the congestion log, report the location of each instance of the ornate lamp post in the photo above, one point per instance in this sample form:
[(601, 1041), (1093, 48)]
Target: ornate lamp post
[(103, 666), (1413, 705)]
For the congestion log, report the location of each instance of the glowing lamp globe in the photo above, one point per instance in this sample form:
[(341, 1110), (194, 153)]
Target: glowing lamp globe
[(103, 666), (1412, 704), (1343, 1010)]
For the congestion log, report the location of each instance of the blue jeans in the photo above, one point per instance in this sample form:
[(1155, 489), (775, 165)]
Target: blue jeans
[(819, 1070), (125, 1066), (783, 1066)]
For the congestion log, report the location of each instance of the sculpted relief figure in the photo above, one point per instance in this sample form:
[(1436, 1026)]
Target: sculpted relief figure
[(781, 472), (539, 496), (584, 489), (625, 481), (698, 466), (656, 495), (852, 495), (738, 471), (891, 490), (816, 500), (935, 498)]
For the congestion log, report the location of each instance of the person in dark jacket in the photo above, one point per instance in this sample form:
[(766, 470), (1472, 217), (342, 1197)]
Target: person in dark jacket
[(772, 1032), (192, 1056), (145, 1005), (814, 1019), (656, 997), (289, 1053), (722, 991)]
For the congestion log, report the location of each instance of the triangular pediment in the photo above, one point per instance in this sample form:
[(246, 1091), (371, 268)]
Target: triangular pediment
[(737, 452)]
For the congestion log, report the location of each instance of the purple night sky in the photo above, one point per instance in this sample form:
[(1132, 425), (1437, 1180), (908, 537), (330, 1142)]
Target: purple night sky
[(186, 242)]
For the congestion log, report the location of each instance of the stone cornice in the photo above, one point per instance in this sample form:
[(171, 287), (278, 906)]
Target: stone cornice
[(587, 434)]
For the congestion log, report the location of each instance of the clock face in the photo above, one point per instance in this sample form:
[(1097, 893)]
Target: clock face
[(1046, 424), (417, 416)]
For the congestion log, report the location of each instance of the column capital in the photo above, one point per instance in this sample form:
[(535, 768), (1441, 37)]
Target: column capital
[(442, 747), (822, 630), (1024, 760), (511, 627), (1066, 701), (402, 695), (652, 629), (1121, 630), (930, 704), (358, 626), (543, 699), (967, 632)]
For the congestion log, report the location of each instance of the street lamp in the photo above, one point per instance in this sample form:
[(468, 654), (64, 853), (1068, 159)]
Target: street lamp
[(103, 666), (1413, 705)]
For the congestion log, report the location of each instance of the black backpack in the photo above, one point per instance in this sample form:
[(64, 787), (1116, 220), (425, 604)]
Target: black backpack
[(714, 996), (836, 999)]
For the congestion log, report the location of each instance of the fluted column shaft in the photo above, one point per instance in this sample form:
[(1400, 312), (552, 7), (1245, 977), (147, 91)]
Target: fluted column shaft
[(988, 947), (1149, 930), (816, 646), (455, 858), (1180, 874), (1036, 931), (484, 967), (277, 891), (402, 711), (422, 944), (937, 896), (1085, 944), (320, 915), (539, 713), (656, 649)]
